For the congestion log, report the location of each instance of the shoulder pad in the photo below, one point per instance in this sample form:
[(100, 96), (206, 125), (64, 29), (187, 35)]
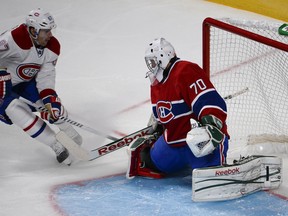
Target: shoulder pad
[(54, 46), (21, 37)]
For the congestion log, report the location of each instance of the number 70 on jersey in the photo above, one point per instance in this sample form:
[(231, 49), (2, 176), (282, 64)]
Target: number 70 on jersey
[(198, 85)]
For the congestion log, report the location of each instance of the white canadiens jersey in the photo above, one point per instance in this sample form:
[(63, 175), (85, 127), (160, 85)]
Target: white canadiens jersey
[(24, 61)]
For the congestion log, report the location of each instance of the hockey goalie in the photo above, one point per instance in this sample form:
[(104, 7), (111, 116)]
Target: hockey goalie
[(189, 130)]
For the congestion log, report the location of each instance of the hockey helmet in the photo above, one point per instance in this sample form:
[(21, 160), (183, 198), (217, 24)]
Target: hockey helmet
[(40, 19), (157, 56)]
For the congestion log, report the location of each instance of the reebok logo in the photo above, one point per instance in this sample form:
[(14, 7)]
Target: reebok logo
[(233, 171), (121, 143)]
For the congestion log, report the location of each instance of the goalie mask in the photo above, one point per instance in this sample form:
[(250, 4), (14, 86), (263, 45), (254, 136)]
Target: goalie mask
[(157, 57), (39, 19)]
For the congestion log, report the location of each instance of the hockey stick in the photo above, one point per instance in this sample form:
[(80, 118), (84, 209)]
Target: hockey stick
[(95, 153), (118, 144), (236, 94), (85, 155), (68, 120), (89, 129), (73, 148), (125, 141), (266, 138)]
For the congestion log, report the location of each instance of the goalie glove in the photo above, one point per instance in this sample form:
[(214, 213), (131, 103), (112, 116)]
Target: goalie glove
[(204, 139)]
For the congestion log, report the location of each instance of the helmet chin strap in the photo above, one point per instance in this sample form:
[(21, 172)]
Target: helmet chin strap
[(34, 39), (36, 43), (33, 36)]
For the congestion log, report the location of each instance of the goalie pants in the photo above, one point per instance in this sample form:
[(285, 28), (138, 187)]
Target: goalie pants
[(170, 159)]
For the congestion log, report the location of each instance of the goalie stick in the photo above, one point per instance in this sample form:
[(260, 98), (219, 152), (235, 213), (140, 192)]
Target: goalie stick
[(85, 155), (110, 147), (118, 144), (125, 141)]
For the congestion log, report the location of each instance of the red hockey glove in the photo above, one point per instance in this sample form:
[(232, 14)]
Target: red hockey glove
[(53, 104)]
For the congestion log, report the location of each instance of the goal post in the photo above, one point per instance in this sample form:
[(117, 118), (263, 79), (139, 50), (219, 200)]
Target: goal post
[(241, 54)]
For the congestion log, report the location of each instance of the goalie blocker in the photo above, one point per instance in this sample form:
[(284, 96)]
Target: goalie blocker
[(244, 177)]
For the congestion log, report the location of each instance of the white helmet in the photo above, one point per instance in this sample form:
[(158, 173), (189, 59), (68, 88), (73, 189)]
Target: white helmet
[(157, 56), (40, 19)]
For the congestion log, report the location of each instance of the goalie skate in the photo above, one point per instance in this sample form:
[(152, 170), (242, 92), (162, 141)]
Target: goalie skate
[(244, 177)]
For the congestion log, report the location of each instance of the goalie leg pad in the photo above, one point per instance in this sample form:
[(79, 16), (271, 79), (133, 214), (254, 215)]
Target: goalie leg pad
[(139, 162), (246, 176)]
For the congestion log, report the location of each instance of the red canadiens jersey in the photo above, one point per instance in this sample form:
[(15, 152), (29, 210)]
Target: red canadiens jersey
[(186, 93), (24, 61)]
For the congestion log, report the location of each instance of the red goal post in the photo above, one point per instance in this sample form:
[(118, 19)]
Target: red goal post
[(241, 54)]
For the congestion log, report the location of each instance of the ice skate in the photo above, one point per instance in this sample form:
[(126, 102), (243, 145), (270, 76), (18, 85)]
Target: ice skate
[(62, 154)]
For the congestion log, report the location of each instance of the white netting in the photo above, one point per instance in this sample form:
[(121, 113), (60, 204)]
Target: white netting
[(237, 63)]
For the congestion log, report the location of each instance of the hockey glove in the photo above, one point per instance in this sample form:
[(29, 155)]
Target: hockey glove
[(5, 83), (204, 139), (53, 104)]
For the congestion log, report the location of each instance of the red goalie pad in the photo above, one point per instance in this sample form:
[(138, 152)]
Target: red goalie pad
[(137, 165)]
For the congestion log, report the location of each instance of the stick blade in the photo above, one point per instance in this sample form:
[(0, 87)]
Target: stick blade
[(73, 148)]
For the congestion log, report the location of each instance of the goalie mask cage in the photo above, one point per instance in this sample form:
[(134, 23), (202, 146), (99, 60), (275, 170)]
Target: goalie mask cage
[(250, 57)]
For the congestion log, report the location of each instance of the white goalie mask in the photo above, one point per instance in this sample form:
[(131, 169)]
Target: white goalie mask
[(40, 19), (157, 56)]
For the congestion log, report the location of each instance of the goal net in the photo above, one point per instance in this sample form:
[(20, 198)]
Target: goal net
[(248, 60)]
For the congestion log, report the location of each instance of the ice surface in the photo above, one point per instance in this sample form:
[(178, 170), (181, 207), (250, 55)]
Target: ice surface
[(101, 82), (168, 197)]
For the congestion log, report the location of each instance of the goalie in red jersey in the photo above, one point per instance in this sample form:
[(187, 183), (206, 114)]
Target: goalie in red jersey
[(190, 113)]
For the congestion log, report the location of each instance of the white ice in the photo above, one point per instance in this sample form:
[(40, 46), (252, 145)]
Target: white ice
[(100, 74)]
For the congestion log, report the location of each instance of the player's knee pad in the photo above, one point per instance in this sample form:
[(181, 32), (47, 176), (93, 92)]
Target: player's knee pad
[(22, 116), (19, 113)]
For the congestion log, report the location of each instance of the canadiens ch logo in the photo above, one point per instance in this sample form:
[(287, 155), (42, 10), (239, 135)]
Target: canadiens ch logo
[(164, 111), (27, 71)]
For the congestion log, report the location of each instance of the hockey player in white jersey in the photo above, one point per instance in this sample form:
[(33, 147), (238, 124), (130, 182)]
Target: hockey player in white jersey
[(28, 56)]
